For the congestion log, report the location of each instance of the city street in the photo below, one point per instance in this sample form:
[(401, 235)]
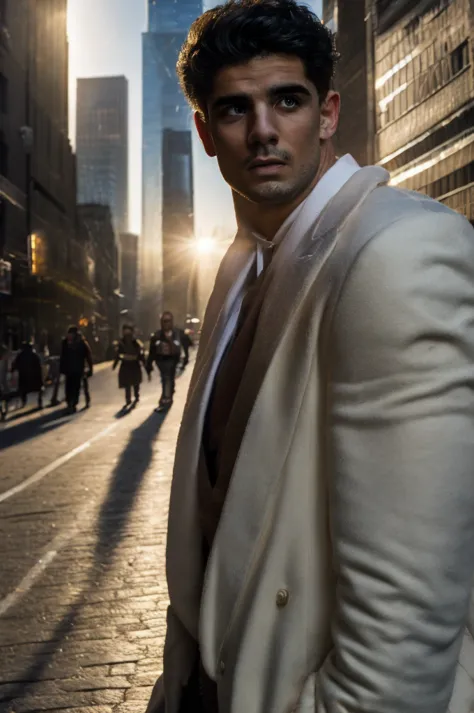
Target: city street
[(83, 515)]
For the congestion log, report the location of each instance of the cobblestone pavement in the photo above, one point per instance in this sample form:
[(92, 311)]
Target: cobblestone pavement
[(83, 514)]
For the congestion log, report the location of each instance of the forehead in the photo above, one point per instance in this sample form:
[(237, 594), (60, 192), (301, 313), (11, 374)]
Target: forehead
[(259, 75)]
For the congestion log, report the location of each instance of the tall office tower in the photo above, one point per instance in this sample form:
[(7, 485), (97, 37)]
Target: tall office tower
[(37, 176), (102, 145), (408, 93), (424, 87), (350, 20), (164, 109), (179, 283), (128, 273)]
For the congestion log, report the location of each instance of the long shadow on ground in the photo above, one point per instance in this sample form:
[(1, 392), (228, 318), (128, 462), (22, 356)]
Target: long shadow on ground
[(114, 515), (25, 431)]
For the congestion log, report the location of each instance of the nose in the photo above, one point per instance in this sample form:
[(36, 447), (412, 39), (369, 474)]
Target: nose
[(262, 129)]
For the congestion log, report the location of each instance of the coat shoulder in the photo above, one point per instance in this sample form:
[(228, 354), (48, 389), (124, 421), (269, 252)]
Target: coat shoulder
[(402, 224)]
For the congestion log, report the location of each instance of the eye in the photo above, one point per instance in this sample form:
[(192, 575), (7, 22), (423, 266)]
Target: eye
[(233, 111), (289, 102)]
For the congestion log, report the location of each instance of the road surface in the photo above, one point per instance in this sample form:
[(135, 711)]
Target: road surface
[(83, 514)]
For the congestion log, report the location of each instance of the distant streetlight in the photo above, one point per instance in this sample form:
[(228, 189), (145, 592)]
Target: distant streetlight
[(205, 246)]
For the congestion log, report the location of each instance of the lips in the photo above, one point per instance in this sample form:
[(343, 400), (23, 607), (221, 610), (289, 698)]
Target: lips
[(259, 164)]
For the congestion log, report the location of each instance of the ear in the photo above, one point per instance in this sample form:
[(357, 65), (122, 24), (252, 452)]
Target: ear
[(204, 134), (329, 115)]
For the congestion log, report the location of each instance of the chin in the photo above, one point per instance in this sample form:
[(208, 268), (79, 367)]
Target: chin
[(272, 192)]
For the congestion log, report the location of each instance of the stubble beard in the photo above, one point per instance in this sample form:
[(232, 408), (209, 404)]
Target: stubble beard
[(282, 192)]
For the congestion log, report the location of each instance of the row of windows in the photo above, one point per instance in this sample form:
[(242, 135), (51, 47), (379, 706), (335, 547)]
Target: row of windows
[(462, 177), (419, 61), (463, 202), (418, 88), (402, 41), (444, 133)]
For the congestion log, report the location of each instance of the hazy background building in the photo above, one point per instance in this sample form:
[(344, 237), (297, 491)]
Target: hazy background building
[(164, 108), (104, 255), (350, 20), (128, 275), (49, 284), (178, 225), (102, 145)]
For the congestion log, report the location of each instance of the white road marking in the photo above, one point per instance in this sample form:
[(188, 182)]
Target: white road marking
[(59, 542), (43, 472), (63, 538)]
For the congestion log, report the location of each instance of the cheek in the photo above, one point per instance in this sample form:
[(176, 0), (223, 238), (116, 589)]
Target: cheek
[(230, 152), (306, 144)]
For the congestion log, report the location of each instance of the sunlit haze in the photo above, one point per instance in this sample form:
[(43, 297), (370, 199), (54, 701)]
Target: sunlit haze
[(105, 39)]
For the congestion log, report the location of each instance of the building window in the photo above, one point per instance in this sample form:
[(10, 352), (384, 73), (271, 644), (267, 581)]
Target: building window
[(3, 93), (460, 58), (3, 156)]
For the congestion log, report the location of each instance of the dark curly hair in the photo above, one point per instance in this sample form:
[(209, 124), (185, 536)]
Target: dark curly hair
[(239, 30)]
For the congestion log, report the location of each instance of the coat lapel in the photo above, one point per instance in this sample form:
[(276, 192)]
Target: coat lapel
[(291, 275), (184, 545)]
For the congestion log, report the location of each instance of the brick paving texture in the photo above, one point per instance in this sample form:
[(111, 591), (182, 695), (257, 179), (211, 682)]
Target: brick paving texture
[(83, 592)]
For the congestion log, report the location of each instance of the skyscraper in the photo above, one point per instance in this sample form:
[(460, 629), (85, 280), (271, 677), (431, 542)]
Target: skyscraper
[(102, 145), (128, 273), (350, 20), (164, 108), (409, 92)]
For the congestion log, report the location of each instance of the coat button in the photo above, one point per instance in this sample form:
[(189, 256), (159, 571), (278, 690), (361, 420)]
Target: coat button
[(282, 598), (222, 668)]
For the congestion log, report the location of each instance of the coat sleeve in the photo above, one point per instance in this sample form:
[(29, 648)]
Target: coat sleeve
[(401, 452), (63, 358), (151, 353), (118, 354), (89, 360)]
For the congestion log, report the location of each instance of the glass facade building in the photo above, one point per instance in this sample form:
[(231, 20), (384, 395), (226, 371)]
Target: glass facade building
[(417, 108), (102, 145), (164, 109), (424, 99)]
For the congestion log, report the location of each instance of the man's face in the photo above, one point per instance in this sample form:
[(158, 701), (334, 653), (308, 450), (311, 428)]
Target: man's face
[(265, 125)]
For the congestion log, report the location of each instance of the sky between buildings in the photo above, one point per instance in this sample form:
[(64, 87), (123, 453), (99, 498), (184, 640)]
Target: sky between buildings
[(105, 40)]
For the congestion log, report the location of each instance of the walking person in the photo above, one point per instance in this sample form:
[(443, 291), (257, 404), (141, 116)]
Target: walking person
[(165, 352), (131, 356), (75, 364), (320, 550), (30, 373)]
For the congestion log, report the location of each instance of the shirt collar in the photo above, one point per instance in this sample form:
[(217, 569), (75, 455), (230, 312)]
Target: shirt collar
[(329, 185)]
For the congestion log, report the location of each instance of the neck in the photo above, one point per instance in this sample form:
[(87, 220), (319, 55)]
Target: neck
[(266, 220)]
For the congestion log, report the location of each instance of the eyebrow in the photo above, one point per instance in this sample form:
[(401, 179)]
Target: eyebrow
[(272, 92)]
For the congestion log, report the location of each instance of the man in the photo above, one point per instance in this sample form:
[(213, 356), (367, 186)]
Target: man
[(75, 357), (321, 531), (131, 356), (30, 375), (165, 352)]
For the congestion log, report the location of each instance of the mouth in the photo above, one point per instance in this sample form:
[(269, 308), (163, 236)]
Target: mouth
[(265, 167)]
